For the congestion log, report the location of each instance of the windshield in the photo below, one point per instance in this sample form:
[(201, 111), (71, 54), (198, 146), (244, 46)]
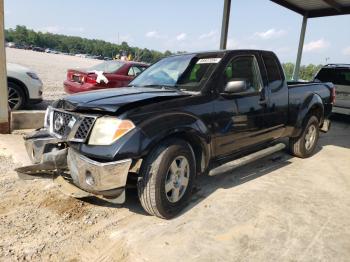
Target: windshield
[(183, 72), (107, 67)]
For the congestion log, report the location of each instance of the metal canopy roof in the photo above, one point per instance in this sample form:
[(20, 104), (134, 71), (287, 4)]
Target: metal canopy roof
[(316, 8)]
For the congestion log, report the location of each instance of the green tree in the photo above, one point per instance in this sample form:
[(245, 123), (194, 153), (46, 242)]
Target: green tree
[(288, 70), (74, 44)]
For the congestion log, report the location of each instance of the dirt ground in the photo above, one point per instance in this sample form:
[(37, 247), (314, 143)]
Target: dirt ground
[(51, 68), (277, 209)]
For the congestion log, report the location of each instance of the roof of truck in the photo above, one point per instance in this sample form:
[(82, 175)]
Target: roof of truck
[(222, 51)]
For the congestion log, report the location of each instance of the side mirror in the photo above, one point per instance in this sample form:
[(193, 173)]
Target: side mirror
[(235, 87)]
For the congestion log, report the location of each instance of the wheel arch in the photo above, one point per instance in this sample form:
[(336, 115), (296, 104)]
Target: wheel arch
[(200, 151), (198, 143), (312, 105), (21, 85)]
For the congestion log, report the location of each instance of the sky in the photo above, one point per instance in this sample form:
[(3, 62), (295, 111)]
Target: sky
[(188, 25)]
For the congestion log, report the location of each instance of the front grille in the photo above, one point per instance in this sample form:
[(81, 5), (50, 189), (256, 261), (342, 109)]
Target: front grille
[(72, 126), (61, 123), (84, 128)]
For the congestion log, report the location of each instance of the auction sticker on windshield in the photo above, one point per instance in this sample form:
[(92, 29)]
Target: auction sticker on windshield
[(209, 61)]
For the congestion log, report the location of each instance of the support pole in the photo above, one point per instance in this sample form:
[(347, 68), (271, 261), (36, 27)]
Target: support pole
[(225, 24), (4, 113), (300, 50)]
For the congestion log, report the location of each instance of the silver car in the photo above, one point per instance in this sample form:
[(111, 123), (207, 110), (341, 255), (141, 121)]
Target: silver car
[(339, 75), (24, 86)]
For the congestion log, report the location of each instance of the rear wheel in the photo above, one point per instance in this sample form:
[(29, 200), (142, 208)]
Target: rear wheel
[(304, 145), (16, 96), (167, 179)]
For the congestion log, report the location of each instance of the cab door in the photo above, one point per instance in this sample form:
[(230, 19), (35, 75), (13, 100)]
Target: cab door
[(239, 117), (277, 96)]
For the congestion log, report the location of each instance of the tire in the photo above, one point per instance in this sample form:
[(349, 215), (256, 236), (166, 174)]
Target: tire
[(304, 145), (162, 187), (17, 98)]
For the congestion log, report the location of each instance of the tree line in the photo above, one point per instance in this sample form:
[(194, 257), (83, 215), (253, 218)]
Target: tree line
[(78, 45), (307, 72)]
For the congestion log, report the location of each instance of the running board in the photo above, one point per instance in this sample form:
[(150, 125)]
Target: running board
[(246, 159)]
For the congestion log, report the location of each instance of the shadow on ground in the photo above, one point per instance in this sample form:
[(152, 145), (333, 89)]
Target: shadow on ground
[(40, 106)]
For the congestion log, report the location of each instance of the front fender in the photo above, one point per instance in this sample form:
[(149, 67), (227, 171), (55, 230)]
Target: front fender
[(149, 133), (175, 124), (313, 101)]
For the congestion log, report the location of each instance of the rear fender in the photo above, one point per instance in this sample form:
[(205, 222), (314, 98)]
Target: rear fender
[(312, 102)]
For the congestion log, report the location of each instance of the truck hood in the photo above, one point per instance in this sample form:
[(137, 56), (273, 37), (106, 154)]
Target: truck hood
[(112, 100)]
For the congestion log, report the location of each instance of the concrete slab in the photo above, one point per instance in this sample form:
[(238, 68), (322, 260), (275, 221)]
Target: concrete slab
[(24, 119), (13, 145)]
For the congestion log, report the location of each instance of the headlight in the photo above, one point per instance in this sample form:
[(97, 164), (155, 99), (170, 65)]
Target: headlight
[(108, 129), (33, 75)]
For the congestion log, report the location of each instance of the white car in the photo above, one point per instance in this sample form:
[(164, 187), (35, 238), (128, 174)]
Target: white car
[(24, 86)]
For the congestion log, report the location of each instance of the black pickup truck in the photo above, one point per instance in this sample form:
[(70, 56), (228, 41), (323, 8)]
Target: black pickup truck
[(180, 118)]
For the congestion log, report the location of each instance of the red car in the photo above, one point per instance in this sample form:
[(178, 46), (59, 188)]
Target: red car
[(109, 74)]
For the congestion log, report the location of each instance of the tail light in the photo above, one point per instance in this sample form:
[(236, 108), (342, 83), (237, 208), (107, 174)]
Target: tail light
[(91, 79), (333, 95)]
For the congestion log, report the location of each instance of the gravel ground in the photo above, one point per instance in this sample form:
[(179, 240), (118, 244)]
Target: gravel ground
[(278, 209), (51, 68)]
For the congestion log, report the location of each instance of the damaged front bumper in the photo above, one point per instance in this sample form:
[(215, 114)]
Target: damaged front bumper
[(75, 174)]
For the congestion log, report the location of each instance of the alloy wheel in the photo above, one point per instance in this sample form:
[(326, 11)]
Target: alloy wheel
[(310, 137), (177, 179), (14, 98)]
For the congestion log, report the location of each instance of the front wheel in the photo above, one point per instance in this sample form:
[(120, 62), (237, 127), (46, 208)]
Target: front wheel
[(304, 145), (16, 97), (167, 178)]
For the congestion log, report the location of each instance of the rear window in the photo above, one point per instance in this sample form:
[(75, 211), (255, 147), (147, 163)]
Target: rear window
[(107, 67), (337, 76), (274, 74)]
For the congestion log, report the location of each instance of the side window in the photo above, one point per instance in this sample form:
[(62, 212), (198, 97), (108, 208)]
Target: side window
[(337, 76), (244, 68), (343, 77), (131, 71), (134, 71), (274, 73), (137, 70), (326, 75)]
